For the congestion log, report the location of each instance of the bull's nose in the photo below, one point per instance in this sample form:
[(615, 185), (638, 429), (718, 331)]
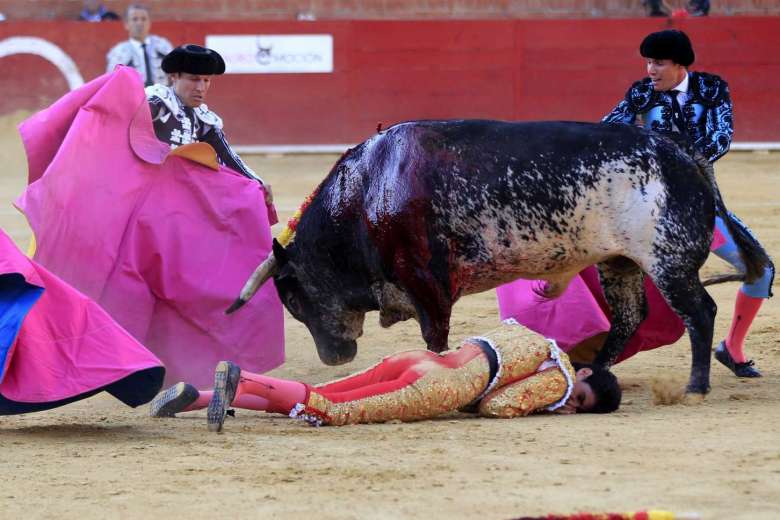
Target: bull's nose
[(337, 354)]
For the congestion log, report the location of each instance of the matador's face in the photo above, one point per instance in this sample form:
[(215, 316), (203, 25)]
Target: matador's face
[(191, 88), (583, 398), (665, 74)]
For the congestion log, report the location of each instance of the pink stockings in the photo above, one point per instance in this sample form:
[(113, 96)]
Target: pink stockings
[(745, 310), (248, 402), (280, 395), (258, 392)]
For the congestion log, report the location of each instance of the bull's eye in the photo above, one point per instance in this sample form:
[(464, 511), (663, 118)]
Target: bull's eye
[(294, 305)]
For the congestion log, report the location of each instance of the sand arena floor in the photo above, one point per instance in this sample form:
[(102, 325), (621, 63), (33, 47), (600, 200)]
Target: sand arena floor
[(721, 458)]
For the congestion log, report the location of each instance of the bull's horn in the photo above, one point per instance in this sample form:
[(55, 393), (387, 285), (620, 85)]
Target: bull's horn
[(263, 272)]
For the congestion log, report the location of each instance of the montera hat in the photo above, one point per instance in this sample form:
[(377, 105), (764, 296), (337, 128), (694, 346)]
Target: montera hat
[(669, 44), (193, 59)]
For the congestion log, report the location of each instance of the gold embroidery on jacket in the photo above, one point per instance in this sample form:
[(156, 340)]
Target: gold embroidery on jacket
[(520, 352)]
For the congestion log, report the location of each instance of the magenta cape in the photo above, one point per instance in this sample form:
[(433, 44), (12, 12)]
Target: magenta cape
[(582, 312), (57, 345), (162, 243)]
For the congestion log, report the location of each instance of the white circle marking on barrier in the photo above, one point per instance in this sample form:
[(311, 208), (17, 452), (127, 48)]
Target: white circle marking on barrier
[(46, 50)]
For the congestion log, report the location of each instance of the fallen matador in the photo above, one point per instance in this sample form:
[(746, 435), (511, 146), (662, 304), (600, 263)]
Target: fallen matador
[(509, 372)]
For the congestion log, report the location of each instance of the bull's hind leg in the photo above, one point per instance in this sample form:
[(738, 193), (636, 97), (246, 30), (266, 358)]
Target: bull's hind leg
[(685, 294), (622, 281)]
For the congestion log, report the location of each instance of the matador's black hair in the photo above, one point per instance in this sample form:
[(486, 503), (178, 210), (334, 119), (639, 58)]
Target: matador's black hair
[(606, 387)]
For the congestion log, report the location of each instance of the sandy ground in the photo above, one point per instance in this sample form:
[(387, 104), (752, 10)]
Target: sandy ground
[(721, 458)]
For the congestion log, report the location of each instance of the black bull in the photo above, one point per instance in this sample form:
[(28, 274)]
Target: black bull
[(426, 212)]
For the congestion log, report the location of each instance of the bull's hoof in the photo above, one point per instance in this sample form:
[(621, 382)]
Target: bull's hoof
[(693, 399), (699, 383), (697, 389)]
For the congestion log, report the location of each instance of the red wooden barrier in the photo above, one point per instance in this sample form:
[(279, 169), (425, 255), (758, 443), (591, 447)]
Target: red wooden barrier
[(390, 71)]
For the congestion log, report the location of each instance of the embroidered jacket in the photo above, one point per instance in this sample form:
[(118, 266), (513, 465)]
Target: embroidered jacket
[(126, 53), (533, 375), (177, 124), (706, 112)]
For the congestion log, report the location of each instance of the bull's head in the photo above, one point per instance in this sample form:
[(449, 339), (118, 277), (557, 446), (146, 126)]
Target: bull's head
[(333, 323)]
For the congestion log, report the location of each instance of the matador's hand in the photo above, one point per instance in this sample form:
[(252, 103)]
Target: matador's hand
[(567, 409), (269, 194)]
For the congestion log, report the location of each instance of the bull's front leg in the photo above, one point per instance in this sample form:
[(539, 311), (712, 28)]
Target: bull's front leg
[(425, 278), (435, 327), (434, 308)]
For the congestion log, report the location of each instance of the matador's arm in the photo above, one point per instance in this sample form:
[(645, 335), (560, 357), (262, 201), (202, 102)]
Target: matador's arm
[(526, 396), (719, 127)]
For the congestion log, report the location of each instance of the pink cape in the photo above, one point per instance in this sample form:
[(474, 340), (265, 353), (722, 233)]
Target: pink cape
[(64, 344), (582, 312), (164, 244)]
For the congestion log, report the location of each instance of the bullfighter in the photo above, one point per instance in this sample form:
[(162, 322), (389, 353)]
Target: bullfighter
[(509, 372), (698, 106), (179, 111)]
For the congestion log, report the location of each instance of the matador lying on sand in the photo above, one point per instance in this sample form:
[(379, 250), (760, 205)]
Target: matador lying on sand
[(509, 372)]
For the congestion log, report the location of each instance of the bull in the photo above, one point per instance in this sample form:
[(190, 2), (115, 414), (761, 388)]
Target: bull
[(425, 212)]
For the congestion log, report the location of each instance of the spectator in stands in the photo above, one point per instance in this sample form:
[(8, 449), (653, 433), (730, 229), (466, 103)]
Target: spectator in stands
[(656, 8), (95, 11), (179, 112), (699, 7), (142, 51)]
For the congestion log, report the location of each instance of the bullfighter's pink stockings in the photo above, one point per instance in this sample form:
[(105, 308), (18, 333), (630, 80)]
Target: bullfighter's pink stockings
[(281, 395), (246, 401), (745, 310)]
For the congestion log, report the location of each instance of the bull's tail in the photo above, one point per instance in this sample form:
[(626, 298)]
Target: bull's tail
[(723, 278), (753, 255)]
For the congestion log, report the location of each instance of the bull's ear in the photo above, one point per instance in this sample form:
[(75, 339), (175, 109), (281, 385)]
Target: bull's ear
[(279, 253)]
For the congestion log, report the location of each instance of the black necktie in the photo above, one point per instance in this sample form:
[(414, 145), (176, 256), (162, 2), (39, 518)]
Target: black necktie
[(147, 67), (677, 113)]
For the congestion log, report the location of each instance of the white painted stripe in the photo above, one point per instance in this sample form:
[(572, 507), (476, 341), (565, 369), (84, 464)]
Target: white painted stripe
[(755, 146), (46, 50)]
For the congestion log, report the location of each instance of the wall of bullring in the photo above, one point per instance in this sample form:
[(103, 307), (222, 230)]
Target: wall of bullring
[(390, 71)]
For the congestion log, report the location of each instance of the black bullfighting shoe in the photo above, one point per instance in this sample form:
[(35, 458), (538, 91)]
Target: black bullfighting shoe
[(745, 369), (173, 400), (226, 378)]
